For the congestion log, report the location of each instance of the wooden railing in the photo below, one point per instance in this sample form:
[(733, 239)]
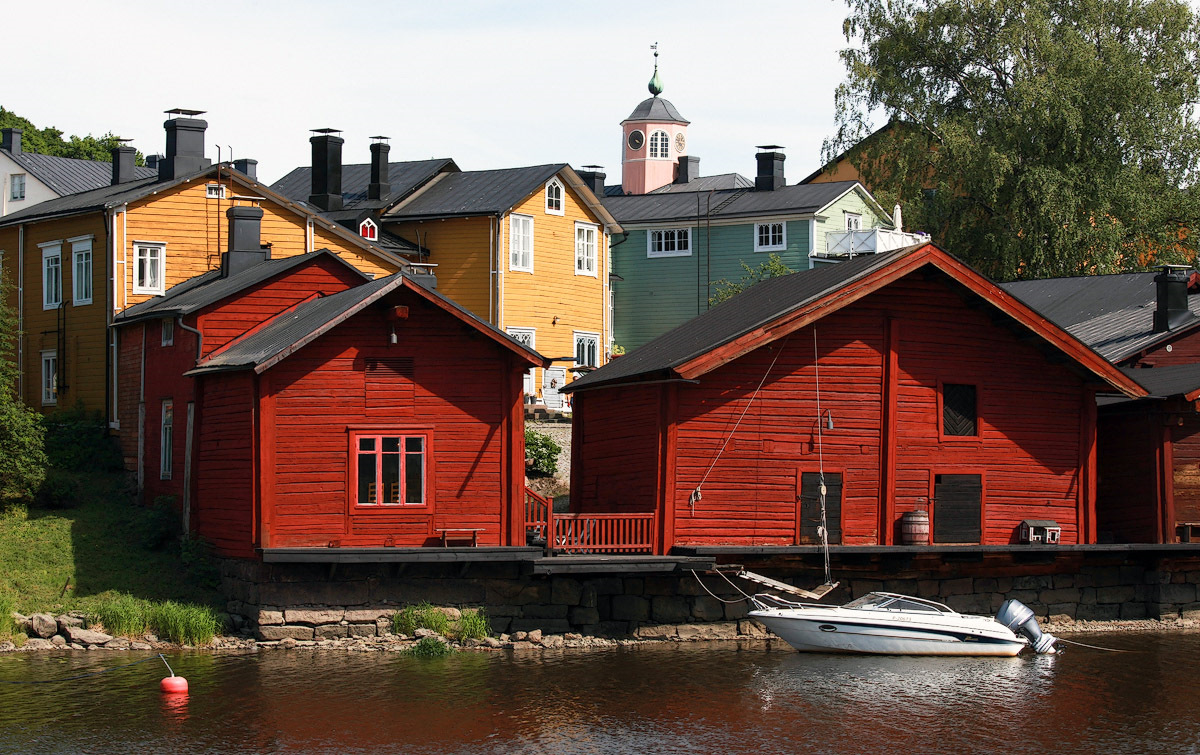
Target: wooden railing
[(587, 533)]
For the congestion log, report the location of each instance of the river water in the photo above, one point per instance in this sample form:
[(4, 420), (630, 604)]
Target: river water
[(694, 698)]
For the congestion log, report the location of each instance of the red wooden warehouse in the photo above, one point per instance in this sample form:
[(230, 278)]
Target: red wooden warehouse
[(295, 403), (905, 380)]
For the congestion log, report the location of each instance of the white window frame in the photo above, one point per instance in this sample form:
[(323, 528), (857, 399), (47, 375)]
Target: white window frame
[(214, 191), (520, 260), (530, 377), (166, 440), (139, 287), (369, 224), (657, 241), (770, 247), (583, 336), (555, 186), (853, 221), (50, 377), (657, 138), (51, 274), (81, 280), (14, 181), (586, 255), (168, 331)]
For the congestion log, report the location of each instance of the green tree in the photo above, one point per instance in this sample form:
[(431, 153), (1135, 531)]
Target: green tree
[(50, 141), (1031, 137), (22, 444), (773, 267)]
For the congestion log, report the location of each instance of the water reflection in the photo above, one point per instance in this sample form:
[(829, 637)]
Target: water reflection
[(664, 699)]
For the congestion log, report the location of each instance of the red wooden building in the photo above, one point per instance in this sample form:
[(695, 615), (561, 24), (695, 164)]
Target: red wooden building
[(293, 402), (906, 380)]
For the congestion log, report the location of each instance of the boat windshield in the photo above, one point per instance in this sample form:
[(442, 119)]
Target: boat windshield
[(882, 601)]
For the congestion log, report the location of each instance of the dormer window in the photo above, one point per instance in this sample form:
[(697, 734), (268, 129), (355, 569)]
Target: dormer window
[(554, 197), (660, 145), (368, 230)]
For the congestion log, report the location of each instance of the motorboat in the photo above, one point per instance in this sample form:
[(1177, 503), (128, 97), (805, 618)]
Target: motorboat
[(890, 624)]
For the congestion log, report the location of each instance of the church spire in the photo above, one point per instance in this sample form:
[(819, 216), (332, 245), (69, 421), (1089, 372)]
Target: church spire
[(656, 87)]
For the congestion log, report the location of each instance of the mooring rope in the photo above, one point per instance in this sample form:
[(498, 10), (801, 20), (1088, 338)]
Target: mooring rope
[(1091, 647), (93, 673)]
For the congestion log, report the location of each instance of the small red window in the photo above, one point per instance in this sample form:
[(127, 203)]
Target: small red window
[(368, 230), (389, 470)]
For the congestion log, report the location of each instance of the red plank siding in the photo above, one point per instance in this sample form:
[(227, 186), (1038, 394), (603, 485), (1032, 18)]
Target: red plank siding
[(224, 464)]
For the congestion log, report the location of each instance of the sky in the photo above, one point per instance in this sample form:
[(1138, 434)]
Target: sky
[(489, 84)]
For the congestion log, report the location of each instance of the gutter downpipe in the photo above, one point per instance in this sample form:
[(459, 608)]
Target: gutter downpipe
[(500, 269), (199, 336), (21, 310), (189, 441), (110, 356), (491, 261)]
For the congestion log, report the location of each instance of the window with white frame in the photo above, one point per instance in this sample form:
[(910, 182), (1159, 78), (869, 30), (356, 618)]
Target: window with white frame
[(51, 274), (853, 221), (16, 187), (166, 440), (770, 237), (587, 350), (49, 377), (554, 197), (368, 230), (149, 264), (669, 242), (389, 468), (660, 144), (168, 331), (585, 249), (520, 243), (214, 191), (527, 336), (81, 270)]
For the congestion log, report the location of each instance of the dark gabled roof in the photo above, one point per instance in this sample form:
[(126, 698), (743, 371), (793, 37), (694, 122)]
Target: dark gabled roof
[(306, 322), (68, 175), (729, 203), (737, 324), (707, 183), (1172, 380), (475, 192), (211, 287), (1113, 314), (404, 178), (351, 219), (94, 199), (656, 109)]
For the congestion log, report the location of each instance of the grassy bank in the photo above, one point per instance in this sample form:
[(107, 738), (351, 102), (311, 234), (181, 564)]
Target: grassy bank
[(101, 551)]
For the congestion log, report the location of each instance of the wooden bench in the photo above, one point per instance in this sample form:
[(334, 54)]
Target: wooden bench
[(460, 535)]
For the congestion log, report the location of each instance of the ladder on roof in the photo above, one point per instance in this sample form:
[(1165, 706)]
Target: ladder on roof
[(815, 594)]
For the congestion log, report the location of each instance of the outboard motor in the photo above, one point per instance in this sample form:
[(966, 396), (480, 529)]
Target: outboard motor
[(1020, 619)]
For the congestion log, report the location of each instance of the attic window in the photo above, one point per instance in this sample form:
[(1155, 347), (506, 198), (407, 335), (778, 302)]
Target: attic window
[(554, 197), (214, 191), (368, 230)]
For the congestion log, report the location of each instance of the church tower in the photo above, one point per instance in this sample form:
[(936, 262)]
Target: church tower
[(655, 138)]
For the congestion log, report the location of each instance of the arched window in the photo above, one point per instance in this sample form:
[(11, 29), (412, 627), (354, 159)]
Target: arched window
[(368, 230), (554, 197), (660, 144)]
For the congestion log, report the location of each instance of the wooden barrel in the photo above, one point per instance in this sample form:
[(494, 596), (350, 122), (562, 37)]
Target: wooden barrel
[(914, 528)]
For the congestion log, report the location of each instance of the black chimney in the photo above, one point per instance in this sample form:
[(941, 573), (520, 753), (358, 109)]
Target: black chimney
[(247, 167), (123, 161), (1172, 306), (770, 169), (152, 161), (245, 241), (185, 145), (379, 186), (326, 169), (594, 179), (688, 169), (10, 139)]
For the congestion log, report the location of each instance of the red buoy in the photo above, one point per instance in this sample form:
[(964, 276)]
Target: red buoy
[(174, 685)]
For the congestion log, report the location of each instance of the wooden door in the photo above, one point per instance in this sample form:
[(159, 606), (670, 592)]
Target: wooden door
[(957, 508), (553, 379)]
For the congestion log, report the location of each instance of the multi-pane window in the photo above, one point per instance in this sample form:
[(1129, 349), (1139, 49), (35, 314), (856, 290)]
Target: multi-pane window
[(769, 237), (520, 243), (554, 197), (51, 275), (81, 274), (669, 242), (526, 336), (148, 268), (853, 221), (390, 470), (585, 249), (168, 332), (959, 411), (166, 440), (587, 350), (49, 377), (660, 144), (16, 187)]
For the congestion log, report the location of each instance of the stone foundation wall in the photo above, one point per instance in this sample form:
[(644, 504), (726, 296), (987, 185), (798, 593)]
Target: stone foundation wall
[(309, 601)]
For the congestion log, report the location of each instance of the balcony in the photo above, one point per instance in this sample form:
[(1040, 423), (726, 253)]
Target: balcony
[(844, 245)]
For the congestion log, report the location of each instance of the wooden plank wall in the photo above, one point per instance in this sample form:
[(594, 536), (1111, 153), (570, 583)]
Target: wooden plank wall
[(616, 434), (460, 249), (1127, 448), (224, 509)]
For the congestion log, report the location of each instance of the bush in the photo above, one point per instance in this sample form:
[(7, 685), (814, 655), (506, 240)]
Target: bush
[(196, 554), (420, 616), (541, 453), (474, 625), (78, 439), (61, 489), (124, 615), (157, 524), (183, 623), (430, 647), (22, 449)]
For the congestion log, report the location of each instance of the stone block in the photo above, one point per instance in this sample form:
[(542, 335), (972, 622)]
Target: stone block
[(1061, 581), (984, 585), (583, 615), (1025, 596), (270, 633), (1065, 595), (863, 586), (362, 630), (1133, 610), (500, 624), (565, 591), (1132, 575), (668, 609), (634, 585), (438, 592), (630, 608), (556, 626), (587, 596), (736, 610), (1087, 596), (1062, 612), (1031, 582), (717, 630), (656, 632), (1174, 593), (313, 617), (607, 585), (1191, 611), (368, 615), (1105, 576), (267, 618), (1163, 611), (1115, 594), (926, 588), (314, 593), (1102, 612), (545, 612), (331, 631), (751, 628), (960, 586), (705, 608), (118, 643), (37, 643), (43, 625), (502, 610), (86, 636), (972, 603), (902, 586), (690, 585), (612, 629)]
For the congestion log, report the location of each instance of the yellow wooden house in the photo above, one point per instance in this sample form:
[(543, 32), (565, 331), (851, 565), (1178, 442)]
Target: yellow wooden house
[(75, 261)]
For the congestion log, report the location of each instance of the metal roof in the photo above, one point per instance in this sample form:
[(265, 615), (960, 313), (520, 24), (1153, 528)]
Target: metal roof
[(1167, 381), (1113, 314), (95, 199), (68, 175), (707, 183), (211, 287), (801, 199), (476, 192), (403, 177), (656, 109)]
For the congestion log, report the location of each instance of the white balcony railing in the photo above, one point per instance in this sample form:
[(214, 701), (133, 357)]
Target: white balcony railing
[(844, 244)]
